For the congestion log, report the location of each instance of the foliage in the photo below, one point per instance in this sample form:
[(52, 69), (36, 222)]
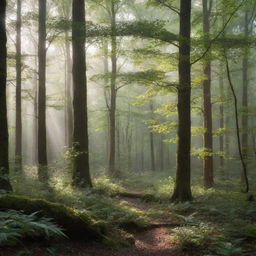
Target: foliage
[(192, 236), (76, 224), (16, 225), (106, 186)]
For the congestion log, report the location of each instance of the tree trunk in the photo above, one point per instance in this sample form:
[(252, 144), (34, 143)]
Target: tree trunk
[(106, 84), (18, 131), (4, 161), (161, 153), (118, 143), (35, 121), (42, 141), (245, 98), (69, 110), (81, 170), (182, 190), (151, 136), (221, 137), (227, 144), (247, 187), (128, 137), (142, 150), (113, 92), (208, 142)]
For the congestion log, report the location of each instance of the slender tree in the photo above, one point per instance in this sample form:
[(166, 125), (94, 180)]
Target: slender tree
[(208, 141), (151, 137), (18, 131), (81, 171), (42, 140), (221, 109), (182, 190), (4, 163), (113, 93), (245, 64), (69, 110)]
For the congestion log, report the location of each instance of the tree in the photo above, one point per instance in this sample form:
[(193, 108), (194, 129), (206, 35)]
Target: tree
[(221, 109), (245, 74), (81, 170), (64, 7), (182, 190), (18, 137), (113, 93), (208, 142), (151, 137), (42, 140), (4, 161)]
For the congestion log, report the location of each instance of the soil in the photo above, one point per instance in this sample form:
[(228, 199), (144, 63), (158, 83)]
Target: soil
[(156, 241)]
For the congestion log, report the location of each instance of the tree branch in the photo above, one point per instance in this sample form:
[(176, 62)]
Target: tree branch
[(220, 32)]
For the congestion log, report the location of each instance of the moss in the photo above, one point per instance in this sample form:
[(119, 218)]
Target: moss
[(76, 224), (119, 239)]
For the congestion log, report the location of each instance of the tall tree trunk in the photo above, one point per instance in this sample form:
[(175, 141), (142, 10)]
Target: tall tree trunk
[(113, 92), (69, 110), (208, 141), (247, 187), (106, 85), (42, 141), (152, 144), (245, 98), (4, 161), (221, 137), (18, 130), (128, 136), (161, 153), (35, 120), (118, 142), (142, 150), (227, 143), (81, 170), (182, 190)]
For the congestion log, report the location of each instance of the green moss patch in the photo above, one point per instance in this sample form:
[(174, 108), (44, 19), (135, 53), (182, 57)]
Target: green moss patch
[(76, 224)]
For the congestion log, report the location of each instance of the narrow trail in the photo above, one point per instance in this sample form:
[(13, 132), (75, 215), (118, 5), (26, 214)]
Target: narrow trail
[(154, 241), (151, 242)]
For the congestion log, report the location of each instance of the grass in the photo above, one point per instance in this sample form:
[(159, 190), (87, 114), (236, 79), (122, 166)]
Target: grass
[(220, 221), (96, 201)]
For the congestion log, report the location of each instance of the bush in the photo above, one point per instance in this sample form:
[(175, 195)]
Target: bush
[(15, 225), (76, 224)]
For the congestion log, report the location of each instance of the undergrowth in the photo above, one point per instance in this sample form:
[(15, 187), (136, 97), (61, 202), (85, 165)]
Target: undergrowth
[(16, 225)]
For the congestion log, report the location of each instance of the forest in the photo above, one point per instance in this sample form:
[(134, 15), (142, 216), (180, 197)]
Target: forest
[(127, 128)]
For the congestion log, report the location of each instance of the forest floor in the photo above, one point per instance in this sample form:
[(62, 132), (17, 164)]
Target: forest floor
[(219, 222), (153, 241)]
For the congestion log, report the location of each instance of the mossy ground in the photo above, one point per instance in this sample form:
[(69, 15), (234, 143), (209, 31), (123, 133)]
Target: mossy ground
[(220, 221)]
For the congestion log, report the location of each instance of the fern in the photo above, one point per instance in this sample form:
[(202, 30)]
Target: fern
[(15, 225)]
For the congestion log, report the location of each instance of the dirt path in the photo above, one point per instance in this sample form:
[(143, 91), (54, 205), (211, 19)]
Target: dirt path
[(152, 242)]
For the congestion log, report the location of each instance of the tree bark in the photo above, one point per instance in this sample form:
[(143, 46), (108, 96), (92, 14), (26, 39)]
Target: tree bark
[(18, 130), (152, 144), (42, 140), (69, 110), (208, 141), (113, 92), (247, 187), (245, 97), (35, 121), (161, 153), (4, 156), (182, 190), (81, 170), (221, 137)]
